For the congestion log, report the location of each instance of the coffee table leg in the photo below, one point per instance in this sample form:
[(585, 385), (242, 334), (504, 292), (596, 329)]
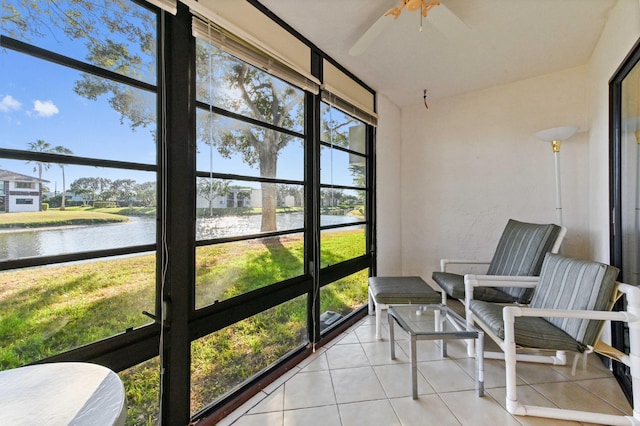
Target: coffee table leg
[(439, 318), (414, 368), (480, 364), (391, 336)]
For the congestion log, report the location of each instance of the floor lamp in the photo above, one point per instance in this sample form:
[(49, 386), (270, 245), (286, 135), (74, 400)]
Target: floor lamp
[(556, 135)]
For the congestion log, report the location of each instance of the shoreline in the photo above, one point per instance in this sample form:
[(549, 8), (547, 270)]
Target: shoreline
[(54, 227), (39, 228)]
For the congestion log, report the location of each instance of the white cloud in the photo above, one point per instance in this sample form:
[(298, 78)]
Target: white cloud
[(8, 103), (45, 108)]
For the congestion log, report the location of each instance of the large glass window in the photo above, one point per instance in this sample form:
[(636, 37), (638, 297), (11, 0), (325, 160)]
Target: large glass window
[(78, 101), (142, 387), (223, 360), (248, 125), (250, 215), (342, 297), (97, 261), (343, 203)]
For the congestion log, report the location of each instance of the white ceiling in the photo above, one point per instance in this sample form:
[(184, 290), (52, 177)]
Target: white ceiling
[(501, 41)]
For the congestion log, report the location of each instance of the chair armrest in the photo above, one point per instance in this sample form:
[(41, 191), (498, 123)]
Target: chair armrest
[(524, 281), (445, 262), (632, 314), (471, 281), (510, 312)]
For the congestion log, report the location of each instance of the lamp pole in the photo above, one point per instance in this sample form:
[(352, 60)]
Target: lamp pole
[(556, 135), (555, 144)]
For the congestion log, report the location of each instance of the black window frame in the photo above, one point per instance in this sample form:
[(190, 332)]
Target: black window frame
[(131, 346), (177, 322)]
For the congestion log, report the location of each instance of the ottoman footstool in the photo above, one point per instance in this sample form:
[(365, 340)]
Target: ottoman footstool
[(385, 291)]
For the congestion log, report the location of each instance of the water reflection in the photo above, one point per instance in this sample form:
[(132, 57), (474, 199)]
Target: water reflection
[(53, 241), (137, 231), (227, 226)]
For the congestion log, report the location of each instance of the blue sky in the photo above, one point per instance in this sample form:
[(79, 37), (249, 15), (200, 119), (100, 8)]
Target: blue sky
[(37, 101)]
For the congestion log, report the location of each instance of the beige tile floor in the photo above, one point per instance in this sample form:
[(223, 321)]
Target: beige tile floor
[(353, 381)]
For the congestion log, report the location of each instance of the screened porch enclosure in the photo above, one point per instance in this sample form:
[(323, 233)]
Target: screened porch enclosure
[(207, 216)]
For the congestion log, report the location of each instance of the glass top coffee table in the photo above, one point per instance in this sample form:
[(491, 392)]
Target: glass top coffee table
[(434, 322)]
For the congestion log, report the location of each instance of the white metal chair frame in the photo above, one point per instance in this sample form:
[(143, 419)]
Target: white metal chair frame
[(630, 316), (498, 280), (560, 357), (478, 280), (472, 281), (481, 280)]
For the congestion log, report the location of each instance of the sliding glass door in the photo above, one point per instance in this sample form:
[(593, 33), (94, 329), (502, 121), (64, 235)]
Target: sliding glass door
[(625, 189)]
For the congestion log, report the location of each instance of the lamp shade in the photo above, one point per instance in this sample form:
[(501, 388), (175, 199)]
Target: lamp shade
[(557, 133)]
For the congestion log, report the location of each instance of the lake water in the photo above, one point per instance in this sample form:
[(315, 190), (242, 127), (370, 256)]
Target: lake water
[(137, 231)]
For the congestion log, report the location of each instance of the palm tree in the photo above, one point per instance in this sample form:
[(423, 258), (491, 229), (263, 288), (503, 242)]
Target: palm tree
[(62, 150), (42, 146)]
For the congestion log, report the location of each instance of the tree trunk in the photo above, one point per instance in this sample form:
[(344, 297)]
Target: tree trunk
[(268, 166), (40, 186), (62, 207)]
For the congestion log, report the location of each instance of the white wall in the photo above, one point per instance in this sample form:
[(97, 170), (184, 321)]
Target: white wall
[(14, 207), (388, 184), (469, 163), (32, 194), (620, 33)]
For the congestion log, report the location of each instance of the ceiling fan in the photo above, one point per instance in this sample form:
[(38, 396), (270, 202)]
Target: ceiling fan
[(441, 17), (413, 5)]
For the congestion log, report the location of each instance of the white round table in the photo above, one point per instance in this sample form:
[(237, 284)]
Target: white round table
[(64, 393)]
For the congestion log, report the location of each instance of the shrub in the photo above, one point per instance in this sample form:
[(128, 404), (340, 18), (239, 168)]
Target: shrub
[(104, 204), (45, 206)]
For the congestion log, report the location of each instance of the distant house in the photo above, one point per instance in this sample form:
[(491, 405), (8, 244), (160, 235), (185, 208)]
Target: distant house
[(19, 193), (235, 197)]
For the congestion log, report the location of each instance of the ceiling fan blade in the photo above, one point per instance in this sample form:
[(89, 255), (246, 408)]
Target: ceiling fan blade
[(447, 22), (371, 35)]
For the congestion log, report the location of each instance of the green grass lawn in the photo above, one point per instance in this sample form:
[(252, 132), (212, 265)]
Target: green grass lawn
[(53, 217), (63, 307)]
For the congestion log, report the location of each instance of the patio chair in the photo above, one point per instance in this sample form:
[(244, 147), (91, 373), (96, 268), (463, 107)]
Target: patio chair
[(518, 257), (572, 300), (512, 273)]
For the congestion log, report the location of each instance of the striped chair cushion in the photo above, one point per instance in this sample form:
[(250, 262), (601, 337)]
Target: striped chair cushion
[(453, 285), (567, 283), (403, 291), (521, 251), (530, 332)]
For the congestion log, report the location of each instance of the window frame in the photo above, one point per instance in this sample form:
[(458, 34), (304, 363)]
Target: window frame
[(131, 346), (177, 322)]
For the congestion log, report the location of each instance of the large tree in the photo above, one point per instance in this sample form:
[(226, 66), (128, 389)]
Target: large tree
[(117, 35), (120, 37), (243, 89), (124, 191), (90, 188), (146, 193)]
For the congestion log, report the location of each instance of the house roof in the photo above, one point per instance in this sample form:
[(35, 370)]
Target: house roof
[(12, 176)]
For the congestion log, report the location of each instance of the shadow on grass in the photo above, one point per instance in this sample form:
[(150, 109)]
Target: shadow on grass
[(230, 269), (59, 313)]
